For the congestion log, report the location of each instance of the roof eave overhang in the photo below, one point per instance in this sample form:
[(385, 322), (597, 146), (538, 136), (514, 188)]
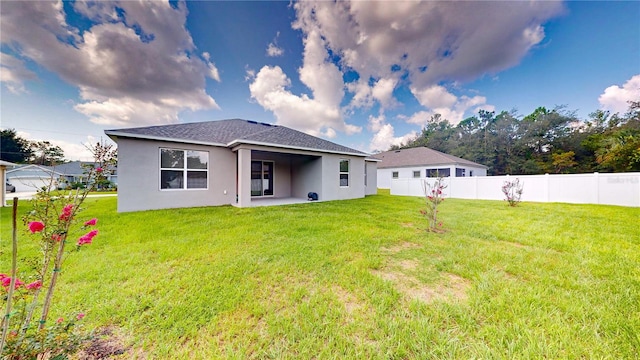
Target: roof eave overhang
[(160, 138), (259, 143)]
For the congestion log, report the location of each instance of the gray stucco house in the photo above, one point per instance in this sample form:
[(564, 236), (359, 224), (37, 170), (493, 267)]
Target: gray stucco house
[(422, 162), (234, 162)]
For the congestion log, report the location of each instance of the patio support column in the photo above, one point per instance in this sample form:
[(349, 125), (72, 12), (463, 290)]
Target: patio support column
[(244, 177)]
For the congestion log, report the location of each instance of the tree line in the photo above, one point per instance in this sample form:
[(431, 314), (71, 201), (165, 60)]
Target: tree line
[(545, 141), (16, 149)]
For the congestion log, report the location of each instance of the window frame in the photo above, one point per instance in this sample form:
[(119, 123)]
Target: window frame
[(185, 169), (438, 170), (395, 174), (341, 173), (417, 174)]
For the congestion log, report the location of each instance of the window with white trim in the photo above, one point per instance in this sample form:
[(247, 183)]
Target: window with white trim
[(344, 173), (394, 174), (416, 174), (183, 169)]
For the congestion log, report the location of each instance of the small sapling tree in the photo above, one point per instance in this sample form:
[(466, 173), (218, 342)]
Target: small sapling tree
[(512, 191), (434, 196)]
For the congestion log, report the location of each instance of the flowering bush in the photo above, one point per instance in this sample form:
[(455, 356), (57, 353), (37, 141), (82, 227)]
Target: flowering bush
[(52, 220), (434, 196), (512, 191)]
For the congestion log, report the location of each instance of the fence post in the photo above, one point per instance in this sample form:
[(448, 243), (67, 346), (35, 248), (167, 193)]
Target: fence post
[(597, 186), (476, 187), (547, 186)]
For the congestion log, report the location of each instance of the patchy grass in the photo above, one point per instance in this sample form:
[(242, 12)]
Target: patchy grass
[(358, 279)]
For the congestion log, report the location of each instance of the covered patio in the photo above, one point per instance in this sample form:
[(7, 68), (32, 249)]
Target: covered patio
[(268, 176)]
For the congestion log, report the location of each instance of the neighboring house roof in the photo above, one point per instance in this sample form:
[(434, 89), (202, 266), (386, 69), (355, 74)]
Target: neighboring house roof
[(233, 132), (6, 163), (73, 168), (419, 156), (31, 170)]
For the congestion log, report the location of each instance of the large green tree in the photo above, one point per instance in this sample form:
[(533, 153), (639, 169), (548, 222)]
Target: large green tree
[(45, 153), (616, 140), (13, 148)]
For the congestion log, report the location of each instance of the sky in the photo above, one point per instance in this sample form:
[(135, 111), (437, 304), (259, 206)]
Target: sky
[(367, 75)]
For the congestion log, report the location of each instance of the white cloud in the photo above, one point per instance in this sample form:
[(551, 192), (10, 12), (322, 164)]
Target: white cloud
[(365, 95), (439, 100), (76, 151), (424, 44), (270, 90), (616, 98), (273, 50), (143, 57), (384, 135), (319, 114), (375, 123), (13, 73), (443, 36)]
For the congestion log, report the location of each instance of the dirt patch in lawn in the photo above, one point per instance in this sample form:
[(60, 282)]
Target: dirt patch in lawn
[(350, 302), (401, 247), (448, 287), (107, 343)]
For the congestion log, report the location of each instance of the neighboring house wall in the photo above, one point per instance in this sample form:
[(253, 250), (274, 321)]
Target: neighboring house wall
[(30, 178), (386, 175), (139, 177), (371, 186), (331, 189)]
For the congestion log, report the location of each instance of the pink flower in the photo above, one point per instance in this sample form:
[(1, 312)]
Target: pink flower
[(91, 222), (80, 316), (60, 320), (34, 285), (6, 282), (56, 237), (99, 170), (36, 226), (66, 212), (87, 238)]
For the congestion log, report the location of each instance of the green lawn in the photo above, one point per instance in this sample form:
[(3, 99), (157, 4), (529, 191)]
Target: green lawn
[(360, 279)]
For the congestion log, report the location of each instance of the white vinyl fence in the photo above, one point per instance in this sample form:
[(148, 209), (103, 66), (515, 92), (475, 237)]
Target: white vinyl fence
[(610, 189)]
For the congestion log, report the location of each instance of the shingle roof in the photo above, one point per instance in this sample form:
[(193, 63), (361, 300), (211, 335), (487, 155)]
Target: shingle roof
[(419, 156), (70, 168), (234, 131)]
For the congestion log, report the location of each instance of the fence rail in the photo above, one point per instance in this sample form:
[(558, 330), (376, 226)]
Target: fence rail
[(610, 189)]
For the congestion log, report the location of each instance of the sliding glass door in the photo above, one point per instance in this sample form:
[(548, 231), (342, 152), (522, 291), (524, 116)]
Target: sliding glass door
[(262, 178)]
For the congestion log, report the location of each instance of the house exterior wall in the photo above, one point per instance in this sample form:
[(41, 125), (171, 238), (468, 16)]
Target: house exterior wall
[(331, 189), (306, 176), (371, 186), (385, 175), (139, 177)]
